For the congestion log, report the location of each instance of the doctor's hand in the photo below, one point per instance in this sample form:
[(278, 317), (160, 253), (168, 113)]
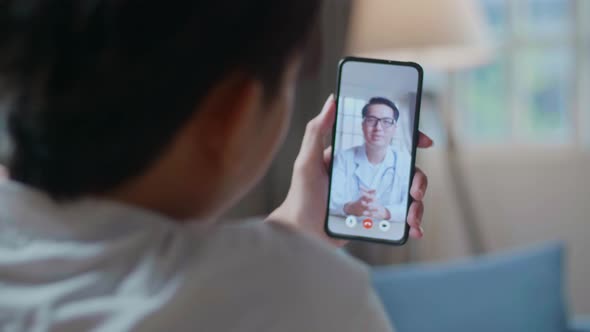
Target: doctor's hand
[(367, 206), (357, 208), (306, 204), (373, 208)]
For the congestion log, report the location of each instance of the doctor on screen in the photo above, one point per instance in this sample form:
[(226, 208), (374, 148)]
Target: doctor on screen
[(372, 179)]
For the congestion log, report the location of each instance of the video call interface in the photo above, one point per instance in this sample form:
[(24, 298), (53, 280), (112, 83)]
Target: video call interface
[(373, 150)]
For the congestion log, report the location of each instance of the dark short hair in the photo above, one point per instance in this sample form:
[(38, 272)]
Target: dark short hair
[(382, 101), (99, 88)]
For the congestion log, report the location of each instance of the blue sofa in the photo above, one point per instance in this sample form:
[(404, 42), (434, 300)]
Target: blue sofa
[(514, 292)]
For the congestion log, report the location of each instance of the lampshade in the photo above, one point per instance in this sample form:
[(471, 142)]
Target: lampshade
[(442, 34)]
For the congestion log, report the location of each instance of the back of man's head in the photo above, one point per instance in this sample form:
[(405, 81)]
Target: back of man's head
[(98, 88)]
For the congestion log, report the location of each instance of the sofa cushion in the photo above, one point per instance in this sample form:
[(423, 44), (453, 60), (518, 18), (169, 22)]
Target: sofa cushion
[(513, 292)]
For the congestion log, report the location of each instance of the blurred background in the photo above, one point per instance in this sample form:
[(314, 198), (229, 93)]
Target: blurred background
[(512, 131)]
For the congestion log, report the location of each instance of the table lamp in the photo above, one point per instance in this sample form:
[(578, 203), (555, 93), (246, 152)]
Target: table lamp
[(444, 35)]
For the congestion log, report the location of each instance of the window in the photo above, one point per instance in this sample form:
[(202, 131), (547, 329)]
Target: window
[(583, 91), (350, 120), (536, 90)]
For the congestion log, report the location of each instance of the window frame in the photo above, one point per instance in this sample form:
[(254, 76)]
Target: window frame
[(509, 46)]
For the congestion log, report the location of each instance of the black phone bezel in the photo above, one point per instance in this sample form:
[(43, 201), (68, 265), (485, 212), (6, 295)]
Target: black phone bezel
[(416, 133)]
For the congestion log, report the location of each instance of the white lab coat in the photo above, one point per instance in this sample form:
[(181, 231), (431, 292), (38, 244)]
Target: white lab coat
[(351, 170)]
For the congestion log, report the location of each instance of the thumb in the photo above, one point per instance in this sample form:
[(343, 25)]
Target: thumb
[(317, 128), (325, 120)]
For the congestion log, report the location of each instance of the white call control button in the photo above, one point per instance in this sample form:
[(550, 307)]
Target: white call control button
[(384, 225), (351, 221)]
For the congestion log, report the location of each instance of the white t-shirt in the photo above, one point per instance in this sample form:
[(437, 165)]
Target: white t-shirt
[(102, 266)]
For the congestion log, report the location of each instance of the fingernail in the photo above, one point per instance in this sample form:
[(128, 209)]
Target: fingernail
[(330, 98), (421, 229)]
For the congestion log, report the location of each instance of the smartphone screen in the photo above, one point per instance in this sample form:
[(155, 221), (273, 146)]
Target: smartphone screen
[(374, 148)]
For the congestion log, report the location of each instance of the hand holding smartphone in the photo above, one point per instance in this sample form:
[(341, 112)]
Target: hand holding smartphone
[(375, 138)]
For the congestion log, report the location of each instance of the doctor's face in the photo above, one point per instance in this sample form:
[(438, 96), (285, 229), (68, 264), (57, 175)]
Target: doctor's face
[(379, 126)]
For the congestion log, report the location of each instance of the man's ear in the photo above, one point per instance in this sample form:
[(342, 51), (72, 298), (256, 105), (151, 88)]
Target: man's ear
[(224, 116)]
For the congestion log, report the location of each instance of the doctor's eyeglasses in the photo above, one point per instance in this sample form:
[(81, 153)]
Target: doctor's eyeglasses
[(373, 121)]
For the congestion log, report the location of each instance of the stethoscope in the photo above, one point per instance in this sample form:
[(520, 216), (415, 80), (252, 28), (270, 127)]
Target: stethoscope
[(391, 169)]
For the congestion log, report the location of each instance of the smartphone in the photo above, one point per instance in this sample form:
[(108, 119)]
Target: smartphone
[(374, 142)]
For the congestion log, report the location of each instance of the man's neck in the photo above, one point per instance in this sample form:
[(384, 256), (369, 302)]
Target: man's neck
[(164, 188), (375, 154)]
